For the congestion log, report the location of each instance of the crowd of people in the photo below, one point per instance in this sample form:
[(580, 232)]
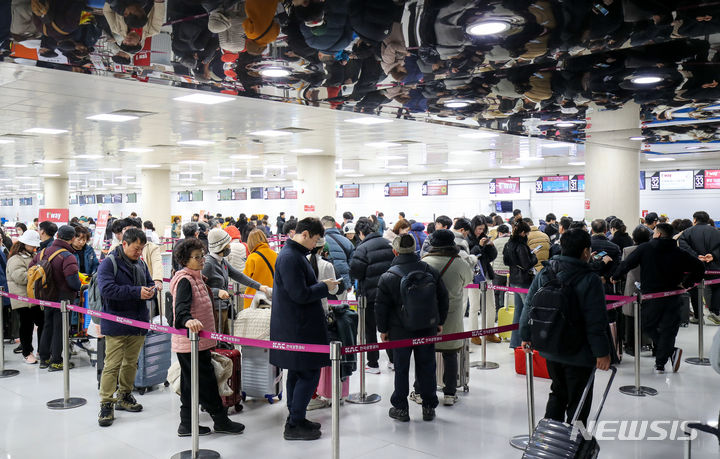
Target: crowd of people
[(413, 278), (537, 75)]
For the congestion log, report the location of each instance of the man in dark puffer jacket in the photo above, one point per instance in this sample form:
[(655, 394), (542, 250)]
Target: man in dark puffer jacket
[(372, 258)]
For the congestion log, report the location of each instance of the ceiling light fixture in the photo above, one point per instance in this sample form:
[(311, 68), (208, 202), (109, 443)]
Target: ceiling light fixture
[(637, 137), (565, 124), (396, 166), (661, 159), (137, 150), (205, 99), (577, 163), (16, 166), (458, 163), (49, 161), (556, 145), (354, 175), (400, 173), (39, 130), (3, 141), (111, 118), (646, 80), (510, 166), (213, 183), (195, 143), (78, 172), (275, 72), (306, 150), (48, 175), (368, 120), (148, 166), (457, 103), (487, 28), (271, 133)]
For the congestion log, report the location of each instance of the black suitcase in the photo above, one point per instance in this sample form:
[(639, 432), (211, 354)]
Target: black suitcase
[(554, 439)]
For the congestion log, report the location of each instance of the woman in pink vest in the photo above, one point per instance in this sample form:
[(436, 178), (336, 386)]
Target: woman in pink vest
[(193, 309)]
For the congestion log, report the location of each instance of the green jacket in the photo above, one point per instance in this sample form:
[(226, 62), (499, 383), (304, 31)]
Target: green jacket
[(591, 297)]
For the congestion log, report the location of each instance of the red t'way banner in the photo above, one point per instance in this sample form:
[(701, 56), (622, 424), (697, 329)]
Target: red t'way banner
[(54, 215)]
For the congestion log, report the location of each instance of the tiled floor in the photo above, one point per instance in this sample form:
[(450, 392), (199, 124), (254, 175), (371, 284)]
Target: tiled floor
[(480, 425)]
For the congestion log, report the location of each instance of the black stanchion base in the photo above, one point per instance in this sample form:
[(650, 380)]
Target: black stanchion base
[(358, 399), (640, 391), (201, 454), (61, 404), (484, 366), (520, 441), (704, 362), (11, 373)]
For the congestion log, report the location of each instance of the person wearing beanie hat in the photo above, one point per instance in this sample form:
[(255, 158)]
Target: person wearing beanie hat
[(218, 272), (388, 306), (238, 249), (443, 255), (228, 25)]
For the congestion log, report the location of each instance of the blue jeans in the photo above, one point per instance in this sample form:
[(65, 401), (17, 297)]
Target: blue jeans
[(520, 298), (299, 389)]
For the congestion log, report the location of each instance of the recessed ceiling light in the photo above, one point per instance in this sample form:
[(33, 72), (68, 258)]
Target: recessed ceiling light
[(382, 144), (87, 157), (637, 137), (244, 156), (342, 171), (487, 28), (661, 159), (48, 131), (565, 124), (646, 80), (509, 166), (49, 161), (399, 173), (49, 175), (368, 120), (111, 117), (137, 150), (275, 72), (110, 169), (457, 103), (125, 177), (2, 141), (451, 170), (148, 166), (242, 181), (390, 157), (270, 133), (206, 99), (16, 166), (24, 177), (478, 135), (191, 161), (195, 142), (277, 180), (354, 175), (577, 163), (218, 177), (274, 166), (305, 150)]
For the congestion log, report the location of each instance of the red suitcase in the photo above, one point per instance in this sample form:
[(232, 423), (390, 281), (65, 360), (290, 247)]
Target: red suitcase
[(539, 364), (235, 380)]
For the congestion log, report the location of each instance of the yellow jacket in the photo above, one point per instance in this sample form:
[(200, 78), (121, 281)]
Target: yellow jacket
[(260, 25), (257, 269)]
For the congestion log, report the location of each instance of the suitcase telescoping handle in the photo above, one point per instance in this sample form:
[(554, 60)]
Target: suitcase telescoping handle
[(613, 371)]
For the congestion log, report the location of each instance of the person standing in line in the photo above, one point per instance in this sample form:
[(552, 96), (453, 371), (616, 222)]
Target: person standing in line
[(521, 261), (47, 232), (341, 252), (260, 264), (297, 316)]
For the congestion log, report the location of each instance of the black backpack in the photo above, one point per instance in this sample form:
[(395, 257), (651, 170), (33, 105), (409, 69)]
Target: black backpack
[(418, 293), (555, 319)]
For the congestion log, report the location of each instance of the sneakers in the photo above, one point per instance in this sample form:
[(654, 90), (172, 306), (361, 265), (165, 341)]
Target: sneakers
[(401, 414), (126, 402), (713, 319), (660, 369), (310, 425), (391, 366), (372, 370), (185, 430), (428, 413), (415, 397), (318, 403), (694, 320), (44, 364), (58, 366), (226, 426), (301, 432), (30, 359), (676, 358), (449, 400), (107, 414), (18, 350)]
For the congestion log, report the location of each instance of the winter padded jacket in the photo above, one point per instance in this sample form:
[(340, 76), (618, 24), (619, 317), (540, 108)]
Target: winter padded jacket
[(341, 252), (371, 260), (520, 260)]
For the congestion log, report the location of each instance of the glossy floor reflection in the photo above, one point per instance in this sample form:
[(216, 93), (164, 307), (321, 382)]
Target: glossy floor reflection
[(479, 425)]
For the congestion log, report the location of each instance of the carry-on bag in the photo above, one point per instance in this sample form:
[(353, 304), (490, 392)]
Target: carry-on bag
[(235, 380), (260, 379), (554, 439), (463, 378), (539, 364), (505, 317)]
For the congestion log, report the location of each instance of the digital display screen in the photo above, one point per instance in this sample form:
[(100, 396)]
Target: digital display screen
[(577, 183), (117, 198), (256, 192), (435, 188), (506, 185), (131, 198), (712, 179), (396, 189), (225, 195), (184, 196), (240, 194), (351, 190), (553, 184), (503, 206), (196, 196), (677, 180)]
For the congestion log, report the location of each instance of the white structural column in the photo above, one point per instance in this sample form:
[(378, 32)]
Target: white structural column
[(56, 193), (155, 197), (316, 186), (612, 165)]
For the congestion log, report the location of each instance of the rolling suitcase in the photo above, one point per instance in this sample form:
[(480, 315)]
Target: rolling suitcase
[(235, 380), (463, 368), (505, 317), (153, 362), (554, 439), (260, 379)]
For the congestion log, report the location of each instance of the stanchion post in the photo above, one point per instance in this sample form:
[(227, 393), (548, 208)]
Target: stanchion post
[(362, 398), (66, 402), (195, 452), (700, 313), (521, 441), (3, 372), (335, 356), (637, 390), (483, 364)]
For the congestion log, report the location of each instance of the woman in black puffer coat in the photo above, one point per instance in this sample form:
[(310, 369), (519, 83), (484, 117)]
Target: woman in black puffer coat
[(521, 261)]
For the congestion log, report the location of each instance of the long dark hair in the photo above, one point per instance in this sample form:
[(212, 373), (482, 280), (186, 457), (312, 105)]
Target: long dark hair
[(314, 259), (520, 227)]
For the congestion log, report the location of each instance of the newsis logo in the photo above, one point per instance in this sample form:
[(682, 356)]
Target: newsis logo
[(635, 430)]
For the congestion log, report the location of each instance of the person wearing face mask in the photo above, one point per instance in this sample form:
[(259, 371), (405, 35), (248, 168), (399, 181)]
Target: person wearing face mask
[(218, 271)]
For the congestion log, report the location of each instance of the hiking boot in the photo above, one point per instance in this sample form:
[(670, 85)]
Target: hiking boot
[(415, 397), (44, 364), (676, 358), (107, 414), (317, 403), (126, 402), (428, 413), (401, 414), (449, 400), (300, 432), (185, 430), (226, 426), (58, 366), (713, 319)]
